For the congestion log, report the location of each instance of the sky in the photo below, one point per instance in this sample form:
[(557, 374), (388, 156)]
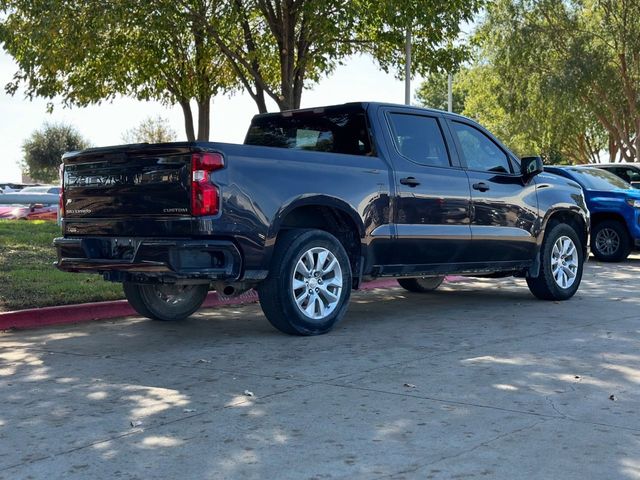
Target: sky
[(359, 79)]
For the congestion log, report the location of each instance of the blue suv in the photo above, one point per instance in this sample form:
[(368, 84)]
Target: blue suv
[(615, 211)]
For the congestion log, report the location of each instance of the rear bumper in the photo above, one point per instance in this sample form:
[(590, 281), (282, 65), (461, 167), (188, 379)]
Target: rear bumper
[(120, 258)]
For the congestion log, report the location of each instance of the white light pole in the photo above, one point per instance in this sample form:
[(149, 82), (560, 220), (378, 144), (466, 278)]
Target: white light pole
[(407, 69), (450, 93)]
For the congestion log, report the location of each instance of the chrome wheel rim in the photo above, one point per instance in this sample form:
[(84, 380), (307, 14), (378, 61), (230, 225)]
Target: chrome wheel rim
[(317, 283), (607, 241), (172, 294), (564, 262)]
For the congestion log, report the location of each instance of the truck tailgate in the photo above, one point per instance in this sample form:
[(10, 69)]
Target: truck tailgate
[(131, 181)]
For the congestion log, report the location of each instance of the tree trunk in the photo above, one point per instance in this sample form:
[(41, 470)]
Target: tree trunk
[(613, 148), (286, 43), (188, 120), (260, 100), (637, 142), (258, 96), (204, 120)]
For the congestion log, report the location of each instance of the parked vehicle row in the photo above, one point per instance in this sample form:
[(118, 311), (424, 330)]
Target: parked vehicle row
[(6, 187), (12, 206), (36, 211)]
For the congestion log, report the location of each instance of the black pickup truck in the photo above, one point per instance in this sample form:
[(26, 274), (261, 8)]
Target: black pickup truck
[(313, 203)]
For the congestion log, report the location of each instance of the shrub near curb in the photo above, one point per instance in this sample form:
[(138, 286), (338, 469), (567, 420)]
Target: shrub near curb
[(28, 278)]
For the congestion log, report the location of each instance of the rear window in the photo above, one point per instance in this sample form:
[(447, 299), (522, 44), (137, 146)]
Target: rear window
[(337, 131)]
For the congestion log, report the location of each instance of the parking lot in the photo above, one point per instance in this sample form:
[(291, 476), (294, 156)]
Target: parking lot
[(478, 380)]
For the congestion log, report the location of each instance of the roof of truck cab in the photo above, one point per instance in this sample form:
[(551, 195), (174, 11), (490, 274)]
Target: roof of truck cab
[(359, 105), (619, 164)]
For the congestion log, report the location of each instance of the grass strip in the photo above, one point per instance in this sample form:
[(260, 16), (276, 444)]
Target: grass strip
[(28, 278)]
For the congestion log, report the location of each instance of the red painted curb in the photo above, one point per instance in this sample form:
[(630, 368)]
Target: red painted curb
[(84, 312)]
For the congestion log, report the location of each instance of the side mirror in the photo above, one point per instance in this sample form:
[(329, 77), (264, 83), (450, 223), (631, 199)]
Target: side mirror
[(531, 166)]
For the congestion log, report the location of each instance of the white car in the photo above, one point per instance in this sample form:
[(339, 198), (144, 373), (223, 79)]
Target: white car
[(42, 189)]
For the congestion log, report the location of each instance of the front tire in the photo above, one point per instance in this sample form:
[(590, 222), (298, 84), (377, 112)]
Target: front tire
[(308, 287), (610, 241), (165, 302), (421, 285), (561, 265)]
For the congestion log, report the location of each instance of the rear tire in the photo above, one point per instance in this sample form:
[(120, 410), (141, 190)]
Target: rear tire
[(165, 302), (561, 264), (610, 241), (132, 294), (421, 285), (308, 287)]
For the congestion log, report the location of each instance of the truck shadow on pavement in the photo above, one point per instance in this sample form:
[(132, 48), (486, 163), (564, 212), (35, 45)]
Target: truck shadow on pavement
[(476, 379)]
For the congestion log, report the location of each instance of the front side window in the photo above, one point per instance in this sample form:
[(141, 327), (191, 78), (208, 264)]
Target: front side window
[(419, 139), (479, 151)]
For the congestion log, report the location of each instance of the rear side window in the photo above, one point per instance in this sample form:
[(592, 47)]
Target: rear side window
[(419, 139), (479, 151), (321, 131)]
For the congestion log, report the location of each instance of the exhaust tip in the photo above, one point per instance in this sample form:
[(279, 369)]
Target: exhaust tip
[(228, 290)]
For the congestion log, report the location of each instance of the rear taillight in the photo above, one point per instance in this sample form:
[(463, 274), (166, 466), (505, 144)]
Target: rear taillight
[(205, 198), (61, 195)]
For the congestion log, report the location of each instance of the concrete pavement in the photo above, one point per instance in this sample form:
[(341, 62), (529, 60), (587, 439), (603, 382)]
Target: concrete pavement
[(478, 380)]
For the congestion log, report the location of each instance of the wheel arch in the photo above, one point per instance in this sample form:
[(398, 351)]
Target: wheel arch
[(626, 244), (572, 217), (325, 213), (600, 217)]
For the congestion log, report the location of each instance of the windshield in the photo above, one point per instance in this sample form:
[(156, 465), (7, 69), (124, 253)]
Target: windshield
[(596, 179)]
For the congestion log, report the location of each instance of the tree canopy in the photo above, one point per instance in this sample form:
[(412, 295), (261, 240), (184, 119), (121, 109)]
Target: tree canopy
[(43, 150), (527, 117), (285, 45), (150, 130), (565, 74), (433, 92), (187, 51), (88, 51)]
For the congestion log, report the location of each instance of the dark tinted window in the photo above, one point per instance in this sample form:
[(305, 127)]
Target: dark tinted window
[(625, 173), (337, 131), (597, 179), (479, 151), (419, 139)]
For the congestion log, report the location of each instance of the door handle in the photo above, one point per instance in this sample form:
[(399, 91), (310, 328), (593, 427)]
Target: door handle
[(411, 181), (483, 187)]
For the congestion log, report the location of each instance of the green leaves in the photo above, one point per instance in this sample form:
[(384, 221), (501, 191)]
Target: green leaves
[(569, 73), (285, 46), (186, 51), (44, 149), (90, 51), (150, 130), (433, 92), (435, 27)]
